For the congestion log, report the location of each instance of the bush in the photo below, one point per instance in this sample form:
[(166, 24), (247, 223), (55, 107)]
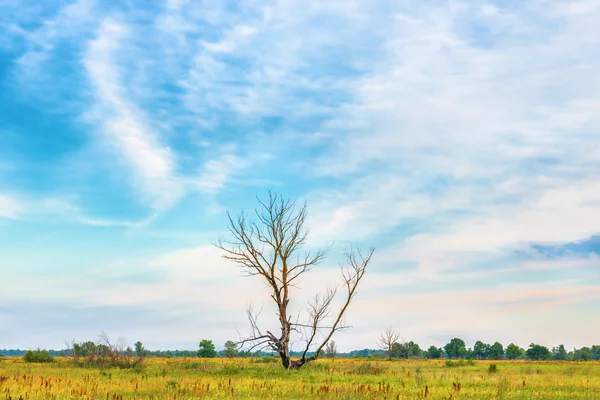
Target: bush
[(493, 369), (38, 356), (138, 367), (105, 354)]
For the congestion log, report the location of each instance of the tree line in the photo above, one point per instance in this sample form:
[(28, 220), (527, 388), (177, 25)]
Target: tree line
[(457, 349)]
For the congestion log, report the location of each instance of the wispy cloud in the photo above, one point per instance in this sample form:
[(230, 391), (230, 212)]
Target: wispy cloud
[(10, 207), (123, 124), (70, 20), (216, 172), (458, 137)]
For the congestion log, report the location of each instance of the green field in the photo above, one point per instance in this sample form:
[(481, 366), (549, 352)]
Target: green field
[(325, 379)]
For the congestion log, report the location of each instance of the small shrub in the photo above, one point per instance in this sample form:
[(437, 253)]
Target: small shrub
[(493, 369), (138, 367), (38, 356), (172, 384)]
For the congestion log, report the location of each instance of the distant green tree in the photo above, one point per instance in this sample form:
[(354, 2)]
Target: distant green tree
[(456, 348), (207, 349), (90, 349), (399, 350), (480, 350), (538, 352), (513, 352), (434, 352), (583, 354), (76, 351), (414, 350), (559, 353), (469, 354), (496, 352), (230, 349), (595, 350), (140, 351)]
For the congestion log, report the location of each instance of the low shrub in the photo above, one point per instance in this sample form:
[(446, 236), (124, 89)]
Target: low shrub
[(493, 368)]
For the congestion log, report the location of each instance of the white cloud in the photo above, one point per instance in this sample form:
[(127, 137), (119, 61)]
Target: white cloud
[(69, 21), (10, 207), (560, 215), (232, 40), (483, 146), (124, 125), (198, 282), (475, 124), (216, 172)]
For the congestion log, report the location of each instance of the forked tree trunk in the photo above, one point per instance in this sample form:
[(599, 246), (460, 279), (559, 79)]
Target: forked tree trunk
[(269, 247)]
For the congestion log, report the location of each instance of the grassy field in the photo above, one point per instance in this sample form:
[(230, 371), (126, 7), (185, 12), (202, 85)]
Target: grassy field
[(324, 379)]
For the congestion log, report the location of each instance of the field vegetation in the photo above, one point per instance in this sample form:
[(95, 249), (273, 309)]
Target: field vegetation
[(263, 378)]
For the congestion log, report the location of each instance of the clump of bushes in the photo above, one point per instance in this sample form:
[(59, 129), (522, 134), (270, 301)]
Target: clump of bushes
[(38, 356), (105, 354), (493, 368)]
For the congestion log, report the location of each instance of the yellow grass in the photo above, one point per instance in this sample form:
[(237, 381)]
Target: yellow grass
[(326, 379)]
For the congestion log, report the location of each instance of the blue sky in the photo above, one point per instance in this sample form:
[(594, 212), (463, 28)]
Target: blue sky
[(460, 138)]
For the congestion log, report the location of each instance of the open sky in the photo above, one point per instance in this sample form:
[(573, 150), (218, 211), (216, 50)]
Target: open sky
[(460, 138)]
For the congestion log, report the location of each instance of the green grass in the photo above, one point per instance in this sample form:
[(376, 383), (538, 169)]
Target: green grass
[(325, 379)]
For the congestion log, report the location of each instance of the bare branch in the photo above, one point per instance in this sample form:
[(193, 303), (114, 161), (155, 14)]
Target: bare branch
[(387, 339), (271, 246)]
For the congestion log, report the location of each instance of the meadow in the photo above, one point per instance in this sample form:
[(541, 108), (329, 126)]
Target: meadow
[(264, 378)]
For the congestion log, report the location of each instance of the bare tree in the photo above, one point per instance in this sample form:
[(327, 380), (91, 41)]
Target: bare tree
[(331, 349), (270, 246), (386, 341)]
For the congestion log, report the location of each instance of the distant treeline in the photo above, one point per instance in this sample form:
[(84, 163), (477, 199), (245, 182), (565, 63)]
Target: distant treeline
[(455, 349)]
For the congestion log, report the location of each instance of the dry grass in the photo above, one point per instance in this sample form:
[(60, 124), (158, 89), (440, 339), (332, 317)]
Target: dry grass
[(324, 379)]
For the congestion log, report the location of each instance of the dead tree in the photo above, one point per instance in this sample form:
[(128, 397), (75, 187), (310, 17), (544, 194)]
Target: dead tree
[(386, 341), (269, 246)]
